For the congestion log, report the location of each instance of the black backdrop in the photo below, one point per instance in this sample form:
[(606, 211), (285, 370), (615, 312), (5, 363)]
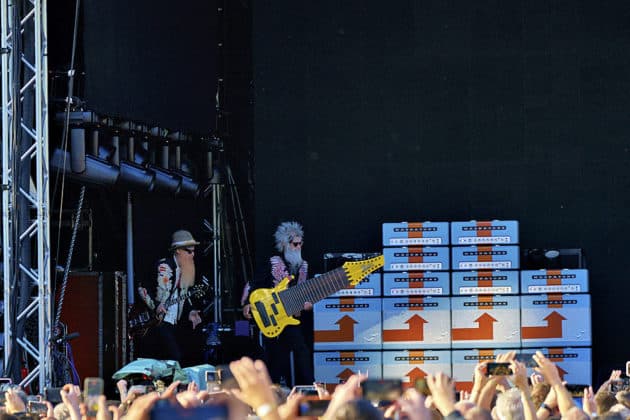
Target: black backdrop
[(369, 112), (152, 61)]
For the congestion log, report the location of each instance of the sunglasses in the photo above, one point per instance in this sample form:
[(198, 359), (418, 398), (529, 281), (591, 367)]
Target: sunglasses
[(189, 250), (297, 243)]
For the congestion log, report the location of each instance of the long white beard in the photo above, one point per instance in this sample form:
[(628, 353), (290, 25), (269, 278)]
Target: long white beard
[(294, 259), (188, 274)]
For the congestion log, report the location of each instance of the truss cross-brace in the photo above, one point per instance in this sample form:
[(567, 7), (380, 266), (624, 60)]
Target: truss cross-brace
[(25, 196)]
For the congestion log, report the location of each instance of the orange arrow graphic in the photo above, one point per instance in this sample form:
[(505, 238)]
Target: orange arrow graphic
[(345, 374), (414, 374), (485, 331), (463, 386), (414, 332), (344, 333), (552, 330)]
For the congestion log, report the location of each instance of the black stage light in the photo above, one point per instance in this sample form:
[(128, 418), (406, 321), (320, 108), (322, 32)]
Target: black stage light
[(189, 187), (97, 171), (136, 176), (77, 149), (166, 181)]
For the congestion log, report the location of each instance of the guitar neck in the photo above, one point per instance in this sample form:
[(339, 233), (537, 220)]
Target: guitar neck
[(176, 299), (313, 290)]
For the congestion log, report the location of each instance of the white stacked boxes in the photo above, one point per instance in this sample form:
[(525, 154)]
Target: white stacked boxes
[(574, 364), (554, 281), (485, 282), (416, 322), (410, 234), (484, 232), (335, 367), (347, 323), (422, 258), (428, 324), (484, 257), (416, 283), (556, 320), (347, 332), (417, 264), (410, 365), (370, 286), (556, 315), (485, 321)]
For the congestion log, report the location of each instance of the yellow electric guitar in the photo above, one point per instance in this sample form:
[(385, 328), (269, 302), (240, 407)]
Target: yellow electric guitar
[(273, 309)]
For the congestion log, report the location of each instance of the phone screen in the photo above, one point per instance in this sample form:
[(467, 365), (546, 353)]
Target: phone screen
[(213, 383), (52, 395), (527, 359), (422, 387), (37, 407), (498, 369), (309, 390), (93, 389), (576, 390), (384, 390), (312, 407)]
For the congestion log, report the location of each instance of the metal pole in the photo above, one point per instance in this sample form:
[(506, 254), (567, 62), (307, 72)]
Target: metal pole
[(216, 250), (130, 267)]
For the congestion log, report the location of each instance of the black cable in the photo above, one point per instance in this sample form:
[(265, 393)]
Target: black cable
[(58, 357), (66, 129)]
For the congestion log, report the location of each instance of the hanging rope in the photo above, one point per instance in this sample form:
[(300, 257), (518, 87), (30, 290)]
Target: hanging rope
[(66, 271)]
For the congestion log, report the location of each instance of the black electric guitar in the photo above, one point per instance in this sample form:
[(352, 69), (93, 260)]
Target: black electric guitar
[(273, 308), (140, 321)]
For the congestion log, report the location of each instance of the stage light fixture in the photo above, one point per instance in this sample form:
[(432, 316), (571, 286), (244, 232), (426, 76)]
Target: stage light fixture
[(136, 177), (189, 187), (97, 171), (77, 150), (165, 180)]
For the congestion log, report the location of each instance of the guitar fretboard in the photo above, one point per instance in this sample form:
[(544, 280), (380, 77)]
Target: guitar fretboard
[(313, 290)]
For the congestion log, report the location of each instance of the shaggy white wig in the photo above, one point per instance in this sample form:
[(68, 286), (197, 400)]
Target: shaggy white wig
[(286, 232)]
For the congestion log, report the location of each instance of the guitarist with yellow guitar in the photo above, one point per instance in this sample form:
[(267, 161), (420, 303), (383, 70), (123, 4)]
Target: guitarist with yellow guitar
[(289, 238), (283, 291)]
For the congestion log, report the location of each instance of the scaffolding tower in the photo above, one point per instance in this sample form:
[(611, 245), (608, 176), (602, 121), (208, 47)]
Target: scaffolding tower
[(25, 193)]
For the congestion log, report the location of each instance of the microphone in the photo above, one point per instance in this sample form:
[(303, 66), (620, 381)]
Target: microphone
[(66, 338)]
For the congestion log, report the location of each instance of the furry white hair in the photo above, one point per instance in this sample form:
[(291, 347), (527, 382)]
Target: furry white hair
[(286, 232)]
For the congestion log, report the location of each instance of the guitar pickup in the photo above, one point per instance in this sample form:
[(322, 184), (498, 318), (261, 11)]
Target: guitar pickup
[(260, 307)]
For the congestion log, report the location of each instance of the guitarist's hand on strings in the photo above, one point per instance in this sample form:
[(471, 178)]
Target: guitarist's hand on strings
[(160, 309)]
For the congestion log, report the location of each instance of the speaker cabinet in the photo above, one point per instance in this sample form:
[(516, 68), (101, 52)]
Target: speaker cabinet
[(95, 307)]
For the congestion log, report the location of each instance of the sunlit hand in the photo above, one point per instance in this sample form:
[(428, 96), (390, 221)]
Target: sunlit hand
[(195, 318)]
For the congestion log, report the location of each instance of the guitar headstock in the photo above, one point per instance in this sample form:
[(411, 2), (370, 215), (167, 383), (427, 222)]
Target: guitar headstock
[(358, 270), (198, 290)]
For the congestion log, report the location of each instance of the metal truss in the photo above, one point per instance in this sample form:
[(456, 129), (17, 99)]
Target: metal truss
[(25, 196)]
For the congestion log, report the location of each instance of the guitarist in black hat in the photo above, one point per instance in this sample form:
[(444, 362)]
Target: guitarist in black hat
[(172, 303)]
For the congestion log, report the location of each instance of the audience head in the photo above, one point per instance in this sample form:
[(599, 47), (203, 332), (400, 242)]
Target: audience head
[(509, 405), (604, 401), (478, 413)]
